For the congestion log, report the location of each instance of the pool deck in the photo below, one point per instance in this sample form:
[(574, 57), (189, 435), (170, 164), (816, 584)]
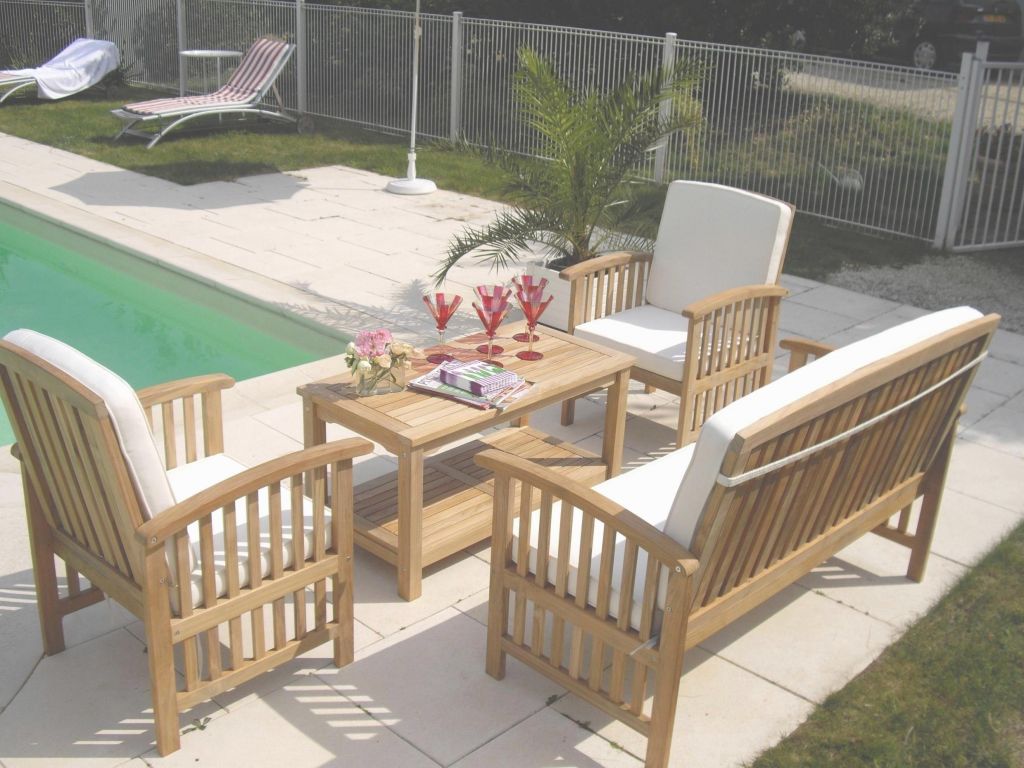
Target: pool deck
[(331, 246)]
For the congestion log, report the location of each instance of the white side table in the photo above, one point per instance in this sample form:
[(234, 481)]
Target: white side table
[(204, 56)]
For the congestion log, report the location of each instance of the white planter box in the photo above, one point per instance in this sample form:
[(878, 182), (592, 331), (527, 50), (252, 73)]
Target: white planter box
[(557, 314)]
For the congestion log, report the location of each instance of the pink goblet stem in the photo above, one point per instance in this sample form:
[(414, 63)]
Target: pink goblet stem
[(491, 320), (442, 309)]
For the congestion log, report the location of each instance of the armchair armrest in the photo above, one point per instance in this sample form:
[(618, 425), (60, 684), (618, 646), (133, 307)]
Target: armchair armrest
[(730, 343), (732, 297), (184, 391), (158, 394), (176, 519), (608, 283), (664, 548), (604, 261), (801, 349), (619, 613)]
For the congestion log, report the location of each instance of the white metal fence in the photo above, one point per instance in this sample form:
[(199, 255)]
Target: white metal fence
[(985, 174), (856, 142)]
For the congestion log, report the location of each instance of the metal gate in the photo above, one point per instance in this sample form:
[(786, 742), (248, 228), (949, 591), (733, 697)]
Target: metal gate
[(984, 189)]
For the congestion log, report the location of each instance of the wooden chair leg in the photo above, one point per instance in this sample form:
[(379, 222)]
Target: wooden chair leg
[(160, 652), (650, 389), (931, 499), (44, 570), (668, 673), (497, 615), (568, 411)]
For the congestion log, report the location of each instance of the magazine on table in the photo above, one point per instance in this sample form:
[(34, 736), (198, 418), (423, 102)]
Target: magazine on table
[(511, 389)]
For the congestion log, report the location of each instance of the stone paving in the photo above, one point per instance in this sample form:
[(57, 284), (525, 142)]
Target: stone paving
[(328, 244)]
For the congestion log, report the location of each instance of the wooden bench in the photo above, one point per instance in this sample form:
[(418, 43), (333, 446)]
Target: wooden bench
[(604, 589)]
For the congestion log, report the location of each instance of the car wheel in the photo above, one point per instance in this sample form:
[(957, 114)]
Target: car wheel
[(925, 55)]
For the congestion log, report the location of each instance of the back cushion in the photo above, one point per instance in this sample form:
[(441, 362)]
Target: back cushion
[(712, 238), (719, 431), (130, 424)]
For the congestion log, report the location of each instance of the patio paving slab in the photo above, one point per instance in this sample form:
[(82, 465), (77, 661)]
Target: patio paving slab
[(791, 629), (306, 724), (725, 716), (425, 684)]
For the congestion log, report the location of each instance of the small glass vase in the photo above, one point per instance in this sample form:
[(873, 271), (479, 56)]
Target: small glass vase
[(379, 382)]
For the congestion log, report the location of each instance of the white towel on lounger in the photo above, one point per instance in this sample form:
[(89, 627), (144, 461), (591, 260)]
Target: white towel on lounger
[(82, 64)]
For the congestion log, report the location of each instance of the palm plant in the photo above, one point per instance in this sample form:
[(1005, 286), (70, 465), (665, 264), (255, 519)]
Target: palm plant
[(585, 191)]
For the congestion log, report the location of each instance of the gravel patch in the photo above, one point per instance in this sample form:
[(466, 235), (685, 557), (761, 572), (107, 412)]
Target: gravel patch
[(947, 280)]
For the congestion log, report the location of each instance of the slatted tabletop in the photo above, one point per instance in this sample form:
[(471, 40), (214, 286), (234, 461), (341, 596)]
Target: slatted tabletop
[(432, 508)]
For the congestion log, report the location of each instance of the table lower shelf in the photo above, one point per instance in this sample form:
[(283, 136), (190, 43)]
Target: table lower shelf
[(457, 494)]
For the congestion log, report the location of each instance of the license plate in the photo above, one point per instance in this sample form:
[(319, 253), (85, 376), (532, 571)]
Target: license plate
[(994, 18)]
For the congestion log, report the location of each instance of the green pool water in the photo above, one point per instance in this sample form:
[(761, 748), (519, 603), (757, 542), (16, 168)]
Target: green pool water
[(145, 322)]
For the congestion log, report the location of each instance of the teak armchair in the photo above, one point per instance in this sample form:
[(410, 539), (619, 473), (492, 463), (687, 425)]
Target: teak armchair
[(700, 313), (176, 544), (604, 589)]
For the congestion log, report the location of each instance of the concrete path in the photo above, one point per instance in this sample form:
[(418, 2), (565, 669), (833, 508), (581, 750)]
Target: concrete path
[(330, 245)]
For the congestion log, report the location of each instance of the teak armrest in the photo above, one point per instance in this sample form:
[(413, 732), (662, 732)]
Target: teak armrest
[(158, 394), (179, 396), (638, 531), (176, 519), (801, 349), (732, 296), (604, 261)]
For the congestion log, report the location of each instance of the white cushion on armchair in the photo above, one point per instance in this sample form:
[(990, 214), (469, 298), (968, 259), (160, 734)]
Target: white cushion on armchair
[(712, 238), (654, 336)]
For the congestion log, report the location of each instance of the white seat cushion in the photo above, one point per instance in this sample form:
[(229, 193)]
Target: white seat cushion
[(713, 237), (648, 492), (654, 336), (719, 431), (197, 476), (129, 420)]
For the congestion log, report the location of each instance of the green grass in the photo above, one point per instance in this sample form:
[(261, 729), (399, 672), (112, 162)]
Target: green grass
[(84, 125), (949, 694)]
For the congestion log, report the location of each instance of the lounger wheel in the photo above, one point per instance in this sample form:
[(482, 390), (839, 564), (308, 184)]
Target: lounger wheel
[(305, 124)]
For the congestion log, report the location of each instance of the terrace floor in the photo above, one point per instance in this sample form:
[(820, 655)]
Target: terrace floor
[(329, 244)]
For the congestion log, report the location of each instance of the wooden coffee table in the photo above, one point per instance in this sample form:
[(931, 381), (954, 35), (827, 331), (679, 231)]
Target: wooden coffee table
[(433, 507)]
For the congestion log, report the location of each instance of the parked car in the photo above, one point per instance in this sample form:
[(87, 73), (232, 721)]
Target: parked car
[(937, 32)]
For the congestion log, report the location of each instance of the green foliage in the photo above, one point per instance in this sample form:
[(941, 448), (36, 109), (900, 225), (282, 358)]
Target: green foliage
[(949, 693), (593, 142)]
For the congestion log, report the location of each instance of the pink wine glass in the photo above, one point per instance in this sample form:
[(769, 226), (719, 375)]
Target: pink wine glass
[(529, 289), (491, 310), (491, 321), (442, 308), (533, 307)]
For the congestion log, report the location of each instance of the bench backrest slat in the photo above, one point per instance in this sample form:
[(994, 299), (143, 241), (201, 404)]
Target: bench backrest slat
[(763, 523)]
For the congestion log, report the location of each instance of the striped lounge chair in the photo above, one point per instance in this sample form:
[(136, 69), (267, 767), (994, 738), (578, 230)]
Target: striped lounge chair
[(242, 94)]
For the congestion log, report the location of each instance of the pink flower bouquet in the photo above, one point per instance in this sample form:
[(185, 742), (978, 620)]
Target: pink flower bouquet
[(375, 357)]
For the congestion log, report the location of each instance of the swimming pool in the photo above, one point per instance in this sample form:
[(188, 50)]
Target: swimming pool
[(147, 323)]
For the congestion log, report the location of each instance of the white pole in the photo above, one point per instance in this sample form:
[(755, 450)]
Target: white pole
[(410, 185)]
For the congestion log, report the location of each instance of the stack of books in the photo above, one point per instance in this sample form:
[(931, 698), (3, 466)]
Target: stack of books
[(477, 383)]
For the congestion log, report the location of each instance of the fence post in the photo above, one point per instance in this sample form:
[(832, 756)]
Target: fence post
[(300, 52), (90, 30), (455, 116), (668, 63), (961, 146), (179, 6)]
